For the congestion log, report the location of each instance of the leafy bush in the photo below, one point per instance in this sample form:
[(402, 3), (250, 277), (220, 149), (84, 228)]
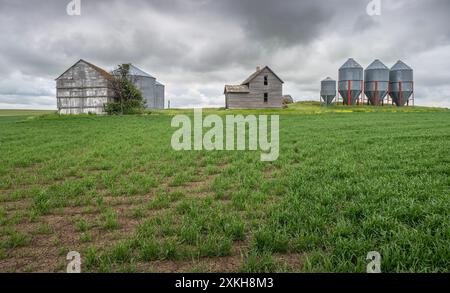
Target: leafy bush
[(127, 98)]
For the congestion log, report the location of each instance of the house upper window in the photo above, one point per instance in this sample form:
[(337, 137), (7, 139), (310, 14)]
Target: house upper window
[(266, 97), (266, 80)]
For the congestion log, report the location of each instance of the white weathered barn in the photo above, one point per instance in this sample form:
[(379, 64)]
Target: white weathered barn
[(262, 89), (84, 88)]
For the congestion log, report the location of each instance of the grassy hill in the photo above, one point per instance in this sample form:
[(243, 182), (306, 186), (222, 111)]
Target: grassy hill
[(347, 182), (24, 112), (310, 107)]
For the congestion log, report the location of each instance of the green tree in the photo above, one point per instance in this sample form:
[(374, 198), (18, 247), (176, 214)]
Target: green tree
[(127, 98)]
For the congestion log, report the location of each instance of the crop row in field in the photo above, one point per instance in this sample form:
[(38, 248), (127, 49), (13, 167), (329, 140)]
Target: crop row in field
[(114, 190)]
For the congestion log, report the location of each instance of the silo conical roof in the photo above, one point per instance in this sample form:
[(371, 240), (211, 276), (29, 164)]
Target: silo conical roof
[(134, 71), (138, 72), (377, 71), (400, 65), (377, 64), (351, 63)]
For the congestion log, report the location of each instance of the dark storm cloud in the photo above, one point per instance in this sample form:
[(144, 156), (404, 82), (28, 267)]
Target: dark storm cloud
[(263, 24), (196, 46), (364, 23), (268, 22), (288, 22)]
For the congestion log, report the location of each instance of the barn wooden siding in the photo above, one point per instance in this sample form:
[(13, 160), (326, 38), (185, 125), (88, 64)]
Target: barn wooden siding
[(83, 89), (254, 98)]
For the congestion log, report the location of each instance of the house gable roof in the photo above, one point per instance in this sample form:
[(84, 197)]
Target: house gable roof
[(254, 75), (102, 72)]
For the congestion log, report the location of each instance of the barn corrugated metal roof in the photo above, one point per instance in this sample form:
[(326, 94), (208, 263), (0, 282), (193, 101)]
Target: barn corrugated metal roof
[(158, 83)]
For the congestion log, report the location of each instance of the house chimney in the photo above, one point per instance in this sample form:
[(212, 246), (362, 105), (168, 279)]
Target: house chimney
[(258, 68)]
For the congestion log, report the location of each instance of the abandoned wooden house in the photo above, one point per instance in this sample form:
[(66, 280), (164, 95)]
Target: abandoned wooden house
[(262, 89), (84, 88)]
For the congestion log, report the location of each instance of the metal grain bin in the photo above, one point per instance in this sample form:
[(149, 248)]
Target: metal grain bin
[(146, 84), (376, 82), (328, 90), (350, 81), (401, 83), (159, 95)]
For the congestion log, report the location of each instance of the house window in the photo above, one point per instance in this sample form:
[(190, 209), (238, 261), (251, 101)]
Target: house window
[(266, 97), (266, 80)]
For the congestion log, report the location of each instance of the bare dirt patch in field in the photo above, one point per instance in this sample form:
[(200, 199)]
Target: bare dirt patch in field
[(53, 235), (226, 264), (293, 261)]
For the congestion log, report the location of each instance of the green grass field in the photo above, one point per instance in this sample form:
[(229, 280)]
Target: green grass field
[(348, 181), (24, 112)]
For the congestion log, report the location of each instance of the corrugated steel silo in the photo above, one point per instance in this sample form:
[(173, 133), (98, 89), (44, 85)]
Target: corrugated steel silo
[(401, 83), (350, 81), (376, 82), (328, 90), (159, 94), (146, 84)]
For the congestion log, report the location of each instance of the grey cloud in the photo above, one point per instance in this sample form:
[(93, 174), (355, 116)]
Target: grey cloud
[(197, 46), (364, 23), (282, 23)]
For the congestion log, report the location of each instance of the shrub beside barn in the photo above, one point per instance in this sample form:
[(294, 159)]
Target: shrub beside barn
[(152, 90)]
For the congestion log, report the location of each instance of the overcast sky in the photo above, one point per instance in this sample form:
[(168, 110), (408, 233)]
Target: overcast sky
[(195, 47)]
